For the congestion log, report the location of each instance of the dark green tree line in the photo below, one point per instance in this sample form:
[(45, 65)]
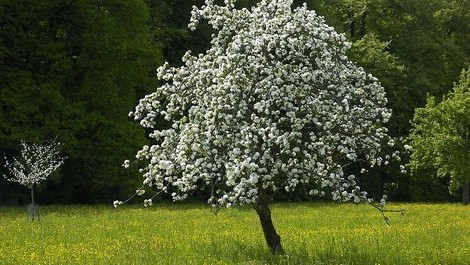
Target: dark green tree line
[(75, 69)]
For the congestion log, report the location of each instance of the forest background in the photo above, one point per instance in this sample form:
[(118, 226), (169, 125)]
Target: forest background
[(76, 68)]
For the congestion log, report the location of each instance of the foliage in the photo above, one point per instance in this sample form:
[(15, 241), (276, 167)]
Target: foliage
[(419, 34), (441, 134), (321, 233), (75, 69), (170, 19)]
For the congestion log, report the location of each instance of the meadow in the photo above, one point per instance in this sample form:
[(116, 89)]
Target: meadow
[(312, 233)]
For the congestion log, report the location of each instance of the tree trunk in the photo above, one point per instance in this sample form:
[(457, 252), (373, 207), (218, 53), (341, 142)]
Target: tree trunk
[(272, 238), (465, 192), (33, 210)]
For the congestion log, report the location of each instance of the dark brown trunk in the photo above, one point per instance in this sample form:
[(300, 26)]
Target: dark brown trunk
[(272, 238), (465, 192)]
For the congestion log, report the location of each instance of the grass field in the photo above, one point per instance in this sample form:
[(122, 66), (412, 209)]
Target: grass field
[(312, 233)]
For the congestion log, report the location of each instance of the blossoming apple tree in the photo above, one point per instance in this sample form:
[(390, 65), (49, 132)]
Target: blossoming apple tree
[(34, 165), (273, 104)]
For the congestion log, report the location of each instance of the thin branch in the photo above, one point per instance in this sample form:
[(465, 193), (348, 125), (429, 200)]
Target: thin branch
[(380, 208)]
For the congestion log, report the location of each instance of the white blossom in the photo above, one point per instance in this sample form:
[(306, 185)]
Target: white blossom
[(35, 163), (273, 104), (117, 203), (148, 202)]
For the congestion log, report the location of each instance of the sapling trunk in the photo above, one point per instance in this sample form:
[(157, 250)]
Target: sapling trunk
[(465, 192), (33, 211)]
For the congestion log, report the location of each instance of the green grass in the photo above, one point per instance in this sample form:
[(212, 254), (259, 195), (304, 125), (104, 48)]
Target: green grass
[(312, 233)]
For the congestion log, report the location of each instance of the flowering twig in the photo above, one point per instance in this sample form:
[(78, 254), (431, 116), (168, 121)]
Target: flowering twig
[(380, 206), (139, 192)]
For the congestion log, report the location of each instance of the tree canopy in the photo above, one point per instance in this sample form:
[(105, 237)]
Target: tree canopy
[(74, 69), (441, 135)]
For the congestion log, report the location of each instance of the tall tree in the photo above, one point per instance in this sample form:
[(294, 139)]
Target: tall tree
[(273, 104), (441, 136), (74, 68)]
